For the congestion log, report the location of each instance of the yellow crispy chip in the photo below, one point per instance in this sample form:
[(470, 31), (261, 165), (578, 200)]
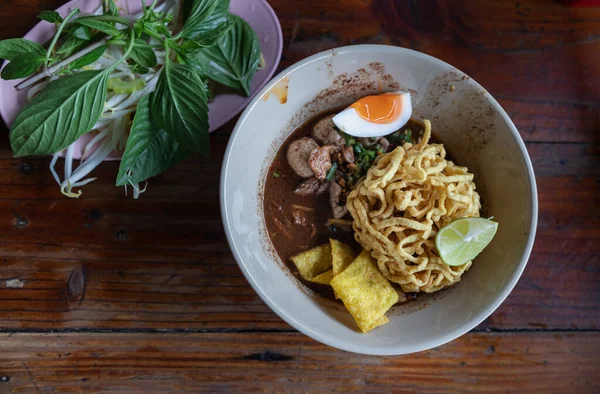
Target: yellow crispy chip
[(314, 261), (379, 322), (342, 256), (324, 278), (365, 292)]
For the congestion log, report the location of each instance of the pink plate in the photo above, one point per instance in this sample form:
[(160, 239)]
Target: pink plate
[(258, 13)]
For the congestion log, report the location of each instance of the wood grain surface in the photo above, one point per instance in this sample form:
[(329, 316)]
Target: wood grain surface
[(107, 294), (290, 361)]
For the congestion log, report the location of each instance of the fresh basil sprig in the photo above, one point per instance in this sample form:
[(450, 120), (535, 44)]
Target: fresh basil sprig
[(65, 110), (169, 64)]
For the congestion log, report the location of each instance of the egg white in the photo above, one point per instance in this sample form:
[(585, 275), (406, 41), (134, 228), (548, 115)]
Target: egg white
[(350, 122)]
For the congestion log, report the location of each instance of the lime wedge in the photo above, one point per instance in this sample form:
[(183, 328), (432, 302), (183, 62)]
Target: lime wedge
[(463, 239)]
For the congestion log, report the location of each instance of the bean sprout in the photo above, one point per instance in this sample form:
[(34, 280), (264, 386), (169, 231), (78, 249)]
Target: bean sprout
[(93, 142)]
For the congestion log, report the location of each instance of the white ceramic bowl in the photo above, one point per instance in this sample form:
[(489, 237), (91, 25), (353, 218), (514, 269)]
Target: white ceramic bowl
[(476, 131)]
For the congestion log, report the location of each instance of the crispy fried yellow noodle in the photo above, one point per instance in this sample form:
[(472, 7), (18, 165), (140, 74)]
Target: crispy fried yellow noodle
[(406, 197)]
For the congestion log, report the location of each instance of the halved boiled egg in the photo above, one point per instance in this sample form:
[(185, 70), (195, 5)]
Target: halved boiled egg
[(375, 116)]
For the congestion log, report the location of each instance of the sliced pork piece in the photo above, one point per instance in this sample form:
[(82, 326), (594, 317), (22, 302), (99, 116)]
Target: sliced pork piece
[(298, 154), (335, 192), (367, 142), (311, 187), (348, 154), (385, 144), (320, 160)]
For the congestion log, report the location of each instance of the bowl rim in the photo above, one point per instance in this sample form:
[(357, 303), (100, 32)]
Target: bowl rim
[(468, 325)]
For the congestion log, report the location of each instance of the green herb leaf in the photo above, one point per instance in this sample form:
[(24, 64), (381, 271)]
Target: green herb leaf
[(149, 151), (23, 66), (179, 106), (233, 60), (83, 33), (59, 114), (111, 8), (211, 29), (136, 68), (13, 47), (70, 46), (143, 54), (104, 27), (199, 11), (88, 58), (50, 16)]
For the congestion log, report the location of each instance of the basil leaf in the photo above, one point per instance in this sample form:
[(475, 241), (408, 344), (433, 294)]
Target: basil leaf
[(143, 54), (149, 150), (200, 10), (212, 28), (71, 45), (112, 8), (136, 68), (83, 33), (13, 47), (179, 106), (59, 114), (233, 60), (88, 58), (22, 66), (50, 16), (104, 27)]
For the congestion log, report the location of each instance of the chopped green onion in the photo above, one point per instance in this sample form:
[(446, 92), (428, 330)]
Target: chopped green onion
[(276, 174), (401, 136), (345, 136), (351, 141), (331, 171)]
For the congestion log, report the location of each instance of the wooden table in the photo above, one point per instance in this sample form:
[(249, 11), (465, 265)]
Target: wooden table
[(108, 294)]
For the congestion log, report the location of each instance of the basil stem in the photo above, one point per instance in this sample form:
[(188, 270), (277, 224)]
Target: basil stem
[(109, 18), (55, 67), (57, 36)]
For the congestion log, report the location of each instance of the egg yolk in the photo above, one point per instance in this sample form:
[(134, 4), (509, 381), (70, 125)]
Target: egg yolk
[(383, 108)]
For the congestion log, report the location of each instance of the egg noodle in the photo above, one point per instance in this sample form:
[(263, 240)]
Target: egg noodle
[(406, 197)]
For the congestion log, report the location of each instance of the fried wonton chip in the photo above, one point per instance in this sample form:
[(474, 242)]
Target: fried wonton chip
[(366, 293), (379, 322), (313, 262), (324, 278), (342, 256)]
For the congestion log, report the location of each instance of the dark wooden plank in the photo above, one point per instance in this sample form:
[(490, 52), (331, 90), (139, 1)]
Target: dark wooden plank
[(284, 362), (180, 280)]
